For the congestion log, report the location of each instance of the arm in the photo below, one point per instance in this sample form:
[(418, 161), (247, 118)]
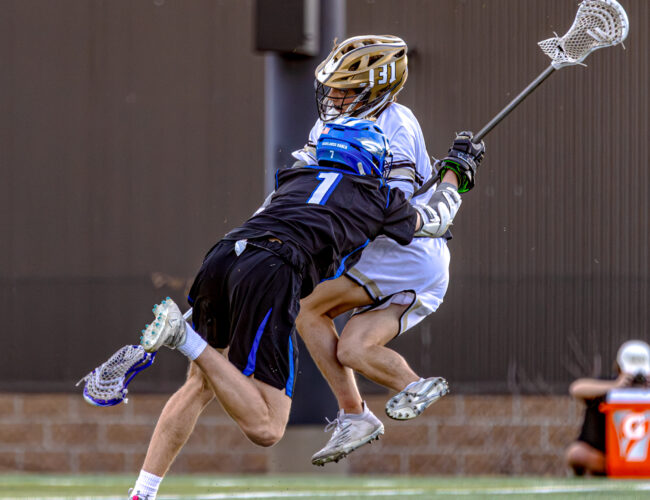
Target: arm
[(589, 388), (435, 218), (307, 155), (438, 215), (458, 170), (450, 178)]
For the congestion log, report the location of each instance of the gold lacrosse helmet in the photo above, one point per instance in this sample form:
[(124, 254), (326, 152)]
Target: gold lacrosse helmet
[(360, 76)]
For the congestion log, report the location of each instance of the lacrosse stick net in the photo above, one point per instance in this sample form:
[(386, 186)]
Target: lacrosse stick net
[(598, 24), (106, 384)]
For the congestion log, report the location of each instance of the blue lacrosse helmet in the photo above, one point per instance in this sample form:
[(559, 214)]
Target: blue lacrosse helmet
[(357, 145)]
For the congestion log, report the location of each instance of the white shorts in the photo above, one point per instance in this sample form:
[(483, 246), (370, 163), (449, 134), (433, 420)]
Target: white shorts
[(416, 275)]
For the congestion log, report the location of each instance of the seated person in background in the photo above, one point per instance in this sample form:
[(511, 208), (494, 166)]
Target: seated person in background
[(587, 454)]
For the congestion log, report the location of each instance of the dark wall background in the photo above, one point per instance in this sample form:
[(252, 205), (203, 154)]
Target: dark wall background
[(131, 138)]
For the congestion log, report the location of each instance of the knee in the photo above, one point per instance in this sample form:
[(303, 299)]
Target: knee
[(309, 321), (267, 427), (583, 458), (349, 352), (264, 436), (304, 319), (573, 455)]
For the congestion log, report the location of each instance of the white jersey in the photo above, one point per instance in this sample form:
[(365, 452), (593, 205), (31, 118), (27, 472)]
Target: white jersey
[(416, 275), (411, 163)]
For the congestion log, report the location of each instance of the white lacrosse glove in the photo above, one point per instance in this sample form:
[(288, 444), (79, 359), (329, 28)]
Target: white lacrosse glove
[(439, 214)]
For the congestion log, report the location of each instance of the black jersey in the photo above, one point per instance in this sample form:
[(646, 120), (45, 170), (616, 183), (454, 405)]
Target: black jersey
[(593, 425), (330, 216)]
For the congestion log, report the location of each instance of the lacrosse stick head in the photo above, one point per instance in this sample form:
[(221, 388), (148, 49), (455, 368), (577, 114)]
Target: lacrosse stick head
[(598, 24), (106, 384)]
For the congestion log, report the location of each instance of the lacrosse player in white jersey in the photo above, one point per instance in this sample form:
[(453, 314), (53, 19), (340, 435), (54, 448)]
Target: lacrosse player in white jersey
[(393, 287)]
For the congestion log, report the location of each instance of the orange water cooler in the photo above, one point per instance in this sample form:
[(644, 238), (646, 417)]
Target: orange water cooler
[(627, 432)]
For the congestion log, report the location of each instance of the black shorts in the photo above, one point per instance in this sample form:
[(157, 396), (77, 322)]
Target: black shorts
[(593, 426), (250, 303)]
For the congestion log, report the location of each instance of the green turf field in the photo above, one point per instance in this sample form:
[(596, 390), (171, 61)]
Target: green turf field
[(320, 486)]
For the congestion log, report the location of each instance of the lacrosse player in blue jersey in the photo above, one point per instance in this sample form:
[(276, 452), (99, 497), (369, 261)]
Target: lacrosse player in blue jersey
[(246, 296)]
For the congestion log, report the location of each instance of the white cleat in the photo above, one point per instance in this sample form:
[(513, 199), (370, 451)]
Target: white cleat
[(416, 397), (350, 432), (167, 329)]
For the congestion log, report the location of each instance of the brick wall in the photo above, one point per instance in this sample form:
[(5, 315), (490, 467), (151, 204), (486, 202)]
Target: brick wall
[(459, 435)]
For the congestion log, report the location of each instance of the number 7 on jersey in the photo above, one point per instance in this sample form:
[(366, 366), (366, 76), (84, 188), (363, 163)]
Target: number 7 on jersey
[(328, 181)]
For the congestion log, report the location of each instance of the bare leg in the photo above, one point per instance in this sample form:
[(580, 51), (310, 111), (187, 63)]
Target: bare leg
[(316, 327), (260, 410), (582, 457), (177, 421), (362, 348)]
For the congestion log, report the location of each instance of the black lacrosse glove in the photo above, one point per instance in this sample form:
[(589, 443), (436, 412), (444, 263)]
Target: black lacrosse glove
[(463, 159)]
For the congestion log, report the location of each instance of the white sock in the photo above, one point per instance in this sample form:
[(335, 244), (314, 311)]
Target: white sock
[(147, 484), (363, 413), (194, 343)]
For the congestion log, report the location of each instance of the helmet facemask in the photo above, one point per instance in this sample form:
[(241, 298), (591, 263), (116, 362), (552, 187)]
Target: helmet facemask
[(356, 103), (343, 103)]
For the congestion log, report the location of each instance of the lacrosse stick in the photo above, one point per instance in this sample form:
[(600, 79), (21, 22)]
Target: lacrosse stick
[(107, 384), (598, 24)]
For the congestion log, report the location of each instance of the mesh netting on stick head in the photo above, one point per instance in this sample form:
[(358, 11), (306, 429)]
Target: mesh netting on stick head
[(106, 384), (598, 23)]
